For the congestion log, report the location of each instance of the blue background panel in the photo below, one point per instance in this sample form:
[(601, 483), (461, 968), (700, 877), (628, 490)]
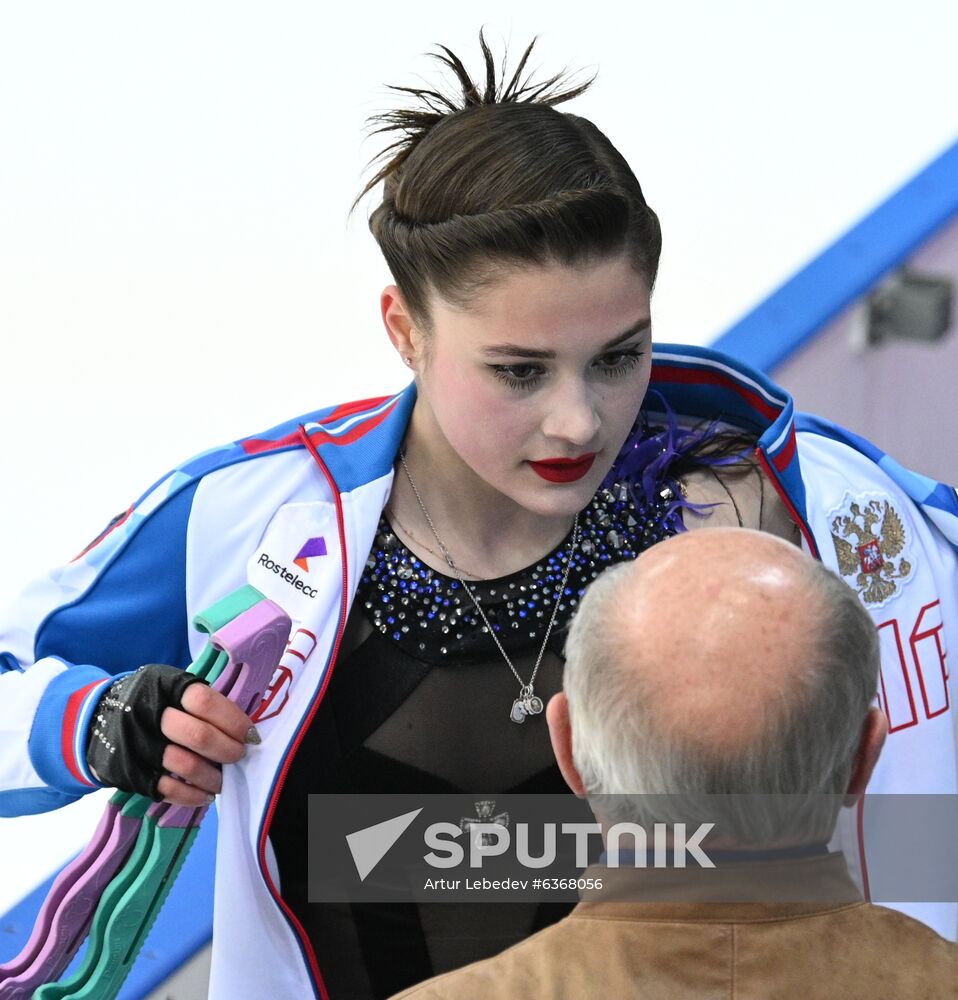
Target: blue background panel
[(883, 240)]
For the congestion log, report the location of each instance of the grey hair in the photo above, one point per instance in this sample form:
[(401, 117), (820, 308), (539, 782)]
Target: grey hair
[(798, 767)]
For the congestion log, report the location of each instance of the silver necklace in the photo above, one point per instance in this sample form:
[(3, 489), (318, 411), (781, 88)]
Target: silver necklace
[(528, 702), (396, 523)]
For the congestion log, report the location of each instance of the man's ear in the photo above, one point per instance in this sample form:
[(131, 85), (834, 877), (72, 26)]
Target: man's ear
[(400, 325), (874, 731), (560, 732)]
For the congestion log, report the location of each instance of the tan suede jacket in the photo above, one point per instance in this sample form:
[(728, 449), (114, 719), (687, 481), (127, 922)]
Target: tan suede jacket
[(818, 940)]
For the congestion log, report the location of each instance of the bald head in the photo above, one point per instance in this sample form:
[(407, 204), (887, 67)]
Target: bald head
[(712, 626), (720, 661)]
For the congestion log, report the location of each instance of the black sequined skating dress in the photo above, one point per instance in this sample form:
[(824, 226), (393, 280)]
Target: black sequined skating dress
[(422, 705)]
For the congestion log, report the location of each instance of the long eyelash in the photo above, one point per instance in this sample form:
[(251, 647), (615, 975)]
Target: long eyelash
[(629, 359), (502, 373)]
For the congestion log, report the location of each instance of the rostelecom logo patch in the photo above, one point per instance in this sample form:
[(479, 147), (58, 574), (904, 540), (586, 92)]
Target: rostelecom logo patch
[(314, 547)]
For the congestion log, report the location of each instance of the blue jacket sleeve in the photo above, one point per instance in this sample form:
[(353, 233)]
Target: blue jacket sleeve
[(119, 604)]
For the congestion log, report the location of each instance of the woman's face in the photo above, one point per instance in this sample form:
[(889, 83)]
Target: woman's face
[(535, 386)]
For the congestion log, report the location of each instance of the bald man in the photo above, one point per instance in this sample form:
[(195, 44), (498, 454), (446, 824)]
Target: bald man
[(721, 661)]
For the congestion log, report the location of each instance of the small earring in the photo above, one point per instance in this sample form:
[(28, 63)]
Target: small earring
[(408, 360)]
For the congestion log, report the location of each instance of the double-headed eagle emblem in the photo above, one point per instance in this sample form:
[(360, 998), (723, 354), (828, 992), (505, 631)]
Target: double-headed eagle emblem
[(868, 539)]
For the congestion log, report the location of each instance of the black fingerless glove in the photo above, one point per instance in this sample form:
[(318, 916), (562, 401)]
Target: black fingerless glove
[(125, 747)]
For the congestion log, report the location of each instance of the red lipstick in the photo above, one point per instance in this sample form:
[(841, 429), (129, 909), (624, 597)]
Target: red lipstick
[(563, 470)]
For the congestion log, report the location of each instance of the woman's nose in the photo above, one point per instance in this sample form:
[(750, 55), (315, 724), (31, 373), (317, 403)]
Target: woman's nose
[(572, 416)]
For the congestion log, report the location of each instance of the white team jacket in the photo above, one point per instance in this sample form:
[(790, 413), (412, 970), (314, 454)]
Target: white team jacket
[(294, 512)]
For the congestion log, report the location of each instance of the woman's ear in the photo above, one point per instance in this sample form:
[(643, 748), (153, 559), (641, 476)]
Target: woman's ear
[(400, 325)]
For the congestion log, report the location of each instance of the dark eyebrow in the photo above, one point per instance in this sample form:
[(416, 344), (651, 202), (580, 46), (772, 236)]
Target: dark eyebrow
[(515, 351)]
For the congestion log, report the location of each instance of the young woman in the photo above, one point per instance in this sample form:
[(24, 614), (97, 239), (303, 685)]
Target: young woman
[(430, 547)]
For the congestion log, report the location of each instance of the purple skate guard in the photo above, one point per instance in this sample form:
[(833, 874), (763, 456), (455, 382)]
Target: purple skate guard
[(239, 662)]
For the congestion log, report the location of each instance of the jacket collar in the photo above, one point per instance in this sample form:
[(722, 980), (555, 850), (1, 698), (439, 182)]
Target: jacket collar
[(373, 429), (748, 891), (699, 383)]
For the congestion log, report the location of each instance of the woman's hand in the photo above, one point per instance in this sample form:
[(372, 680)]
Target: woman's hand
[(165, 733), (208, 731)]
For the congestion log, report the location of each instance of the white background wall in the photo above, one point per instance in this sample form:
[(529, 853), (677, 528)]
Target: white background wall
[(176, 264)]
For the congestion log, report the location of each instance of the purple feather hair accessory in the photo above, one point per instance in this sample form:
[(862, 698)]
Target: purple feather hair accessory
[(650, 452)]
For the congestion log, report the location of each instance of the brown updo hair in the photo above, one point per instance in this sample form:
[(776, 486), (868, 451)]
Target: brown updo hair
[(496, 178)]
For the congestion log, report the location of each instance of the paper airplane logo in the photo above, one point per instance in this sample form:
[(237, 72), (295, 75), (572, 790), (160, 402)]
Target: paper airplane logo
[(314, 547), (369, 846)]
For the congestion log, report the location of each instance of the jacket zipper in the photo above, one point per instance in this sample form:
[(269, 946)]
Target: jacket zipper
[(287, 763)]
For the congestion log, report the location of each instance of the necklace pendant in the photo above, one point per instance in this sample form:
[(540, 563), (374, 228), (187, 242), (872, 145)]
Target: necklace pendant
[(532, 704), (527, 703)]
